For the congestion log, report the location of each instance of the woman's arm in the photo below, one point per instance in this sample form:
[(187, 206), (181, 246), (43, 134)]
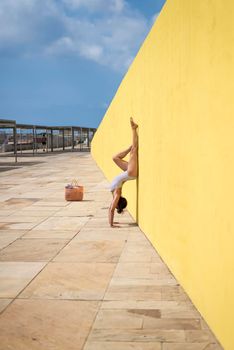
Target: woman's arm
[(113, 205)]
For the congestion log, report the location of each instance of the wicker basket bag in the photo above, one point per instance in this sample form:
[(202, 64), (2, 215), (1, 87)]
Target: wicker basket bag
[(74, 191)]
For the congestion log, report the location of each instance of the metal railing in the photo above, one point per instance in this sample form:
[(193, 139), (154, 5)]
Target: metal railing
[(22, 138)]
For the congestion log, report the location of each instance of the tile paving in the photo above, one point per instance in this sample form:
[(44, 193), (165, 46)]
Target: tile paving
[(69, 281)]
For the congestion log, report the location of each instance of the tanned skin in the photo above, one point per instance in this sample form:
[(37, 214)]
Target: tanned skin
[(131, 166)]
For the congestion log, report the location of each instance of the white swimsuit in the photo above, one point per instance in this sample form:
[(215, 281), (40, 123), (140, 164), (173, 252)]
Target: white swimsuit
[(119, 180)]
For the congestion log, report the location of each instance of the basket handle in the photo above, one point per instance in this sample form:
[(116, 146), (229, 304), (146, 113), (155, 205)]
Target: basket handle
[(74, 183)]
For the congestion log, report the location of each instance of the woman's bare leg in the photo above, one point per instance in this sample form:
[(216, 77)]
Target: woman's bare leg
[(133, 161), (118, 159)]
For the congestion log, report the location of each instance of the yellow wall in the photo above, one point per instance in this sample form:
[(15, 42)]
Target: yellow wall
[(180, 90)]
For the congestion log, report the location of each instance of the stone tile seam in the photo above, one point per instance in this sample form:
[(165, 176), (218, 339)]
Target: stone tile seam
[(48, 262), (103, 298)]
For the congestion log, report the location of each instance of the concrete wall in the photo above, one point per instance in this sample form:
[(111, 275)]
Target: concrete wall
[(180, 91)]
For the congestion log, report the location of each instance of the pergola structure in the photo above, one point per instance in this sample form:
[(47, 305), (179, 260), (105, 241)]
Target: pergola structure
[(10, 124), (34, 133)]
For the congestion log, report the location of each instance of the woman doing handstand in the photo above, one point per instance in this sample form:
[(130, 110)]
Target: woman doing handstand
[(130, 172)]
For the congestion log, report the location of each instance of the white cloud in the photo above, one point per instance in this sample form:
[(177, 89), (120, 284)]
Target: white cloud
[(93, 52), (60, 46), (22, 21), (111, 41), (110, 38), (96, 5)]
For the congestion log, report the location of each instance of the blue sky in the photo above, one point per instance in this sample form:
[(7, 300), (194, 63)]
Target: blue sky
[(61, 61)]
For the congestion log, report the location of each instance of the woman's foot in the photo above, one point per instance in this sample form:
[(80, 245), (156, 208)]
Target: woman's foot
[(133, 124)]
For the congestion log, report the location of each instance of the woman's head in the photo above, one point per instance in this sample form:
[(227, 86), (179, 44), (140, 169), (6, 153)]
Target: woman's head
[(122, 203)]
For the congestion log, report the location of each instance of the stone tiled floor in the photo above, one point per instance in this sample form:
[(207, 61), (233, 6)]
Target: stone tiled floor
[(68, 281)]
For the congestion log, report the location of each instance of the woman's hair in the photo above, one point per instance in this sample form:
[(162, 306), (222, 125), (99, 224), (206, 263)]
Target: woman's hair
[(122, 203)]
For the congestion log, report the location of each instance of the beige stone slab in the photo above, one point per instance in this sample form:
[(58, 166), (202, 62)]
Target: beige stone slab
[(36, 213), (82, 205), (47, 203), (122, 346), (139, 270), (173, 293), (50, 234), (101, 234), (164, 280), (102, 213), (38, 194), (7, 237), (103, 223), (118, 319), (102, 228), (42, 195), (139, 335), (5, 241), (18, 219), (171, 323), (76, 212), (191, 346), (62, 223), (133, 293), (17, 225), (71, 281), (141, 318), (138, 247), (123, 227), (91, 251), (14, 276), (156, 258), (98, 223), (32, 250), (17, 203), (52, 199), (4, 303), (81, 214), (4, 197), (33, 209), (14, 232), (204, 325), (46, 324), (6, 212), (172, 313), (213, 346), (155, 267), (149, 304), (199, 336), (136, 236), (143, 252)]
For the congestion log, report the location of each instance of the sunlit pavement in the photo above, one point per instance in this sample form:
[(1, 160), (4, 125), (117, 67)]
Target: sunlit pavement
[(68, 281)]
